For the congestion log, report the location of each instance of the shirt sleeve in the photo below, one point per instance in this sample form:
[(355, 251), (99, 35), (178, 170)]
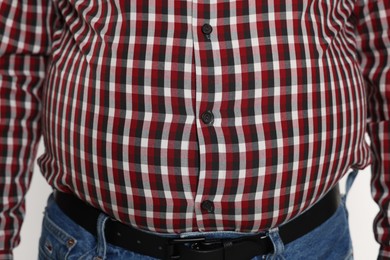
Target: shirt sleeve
[(25, 28), (373, 42)]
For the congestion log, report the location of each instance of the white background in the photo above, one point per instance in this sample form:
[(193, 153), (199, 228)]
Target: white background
[(362, 211)]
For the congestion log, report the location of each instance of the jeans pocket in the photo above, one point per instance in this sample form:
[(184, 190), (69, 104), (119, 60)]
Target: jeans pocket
[(54, 243), (62, 239)]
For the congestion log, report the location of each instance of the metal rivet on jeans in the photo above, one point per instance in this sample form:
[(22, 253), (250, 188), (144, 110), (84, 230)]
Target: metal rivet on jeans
[(70, 242)]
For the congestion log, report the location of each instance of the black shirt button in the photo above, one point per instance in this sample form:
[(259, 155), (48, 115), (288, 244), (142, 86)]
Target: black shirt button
[(207, 206), (208, 117), (207, 29)]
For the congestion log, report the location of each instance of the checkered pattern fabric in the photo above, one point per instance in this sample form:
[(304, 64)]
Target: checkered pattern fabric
[(175, 116)]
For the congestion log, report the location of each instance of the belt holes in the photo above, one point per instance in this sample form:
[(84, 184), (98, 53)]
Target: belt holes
[(195, 246), (227, 244)]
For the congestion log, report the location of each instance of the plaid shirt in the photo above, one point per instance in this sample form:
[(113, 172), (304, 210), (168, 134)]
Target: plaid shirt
[(175, 116)]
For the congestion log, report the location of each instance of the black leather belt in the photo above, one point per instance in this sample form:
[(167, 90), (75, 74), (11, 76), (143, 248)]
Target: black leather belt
[(156, 246)]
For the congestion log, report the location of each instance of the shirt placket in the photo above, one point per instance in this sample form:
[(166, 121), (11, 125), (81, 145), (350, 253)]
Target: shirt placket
[(208, 89)]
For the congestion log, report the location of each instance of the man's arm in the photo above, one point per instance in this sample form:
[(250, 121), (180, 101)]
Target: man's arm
[(373, 38), (24, 46)]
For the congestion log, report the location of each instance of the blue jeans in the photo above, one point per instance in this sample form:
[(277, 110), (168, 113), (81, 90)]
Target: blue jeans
[(61, 239)]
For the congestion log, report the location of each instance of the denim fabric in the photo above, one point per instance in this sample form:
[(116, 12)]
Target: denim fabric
[(62, 239), (331, 240)]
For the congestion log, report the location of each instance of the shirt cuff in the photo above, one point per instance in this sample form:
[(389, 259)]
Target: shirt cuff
[(6, 255), (384, 253)]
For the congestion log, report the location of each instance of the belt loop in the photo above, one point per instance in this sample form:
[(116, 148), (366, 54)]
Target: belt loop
[(278, 244), (101, 238)]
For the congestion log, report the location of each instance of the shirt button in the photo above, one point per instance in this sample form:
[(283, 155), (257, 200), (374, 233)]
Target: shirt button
[(208, 117), (207, 29), (207, 206)]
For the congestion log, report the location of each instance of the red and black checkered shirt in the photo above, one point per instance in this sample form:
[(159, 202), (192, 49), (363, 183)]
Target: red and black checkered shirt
[(175, 116)]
